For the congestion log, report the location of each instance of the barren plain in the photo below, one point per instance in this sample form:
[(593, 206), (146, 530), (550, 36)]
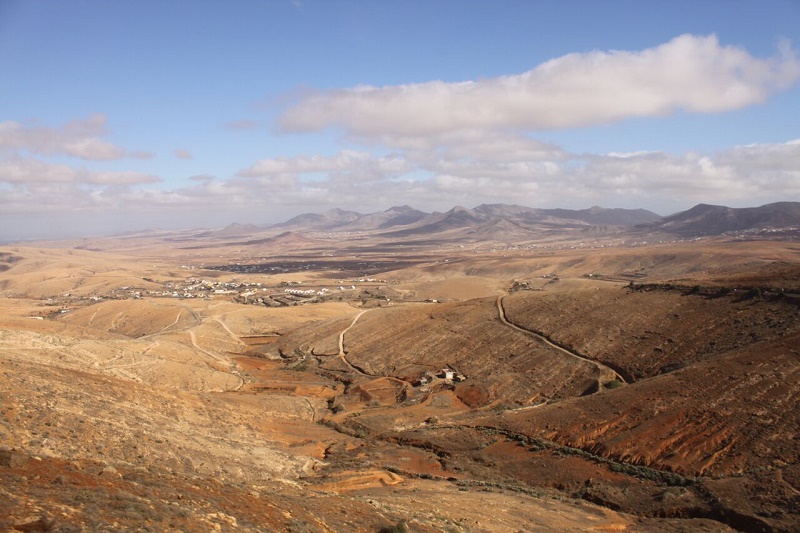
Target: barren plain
[(347, 381)]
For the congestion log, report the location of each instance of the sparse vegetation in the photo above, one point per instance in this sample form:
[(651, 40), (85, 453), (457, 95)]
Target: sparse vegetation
[(755, 293), (196, 428), (399, 527)]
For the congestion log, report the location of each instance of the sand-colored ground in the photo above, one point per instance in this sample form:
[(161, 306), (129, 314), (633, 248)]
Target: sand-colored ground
[(153, 411)]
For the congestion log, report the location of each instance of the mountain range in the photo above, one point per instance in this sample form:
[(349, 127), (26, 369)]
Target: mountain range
[(407, 218), (492, 220)]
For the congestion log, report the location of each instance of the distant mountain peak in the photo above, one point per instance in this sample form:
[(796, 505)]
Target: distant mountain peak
[(707, 219)]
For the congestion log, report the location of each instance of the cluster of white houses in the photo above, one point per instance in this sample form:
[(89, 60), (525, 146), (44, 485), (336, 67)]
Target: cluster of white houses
[(198, 288), (284, 293), (307, 292), (446, 374)]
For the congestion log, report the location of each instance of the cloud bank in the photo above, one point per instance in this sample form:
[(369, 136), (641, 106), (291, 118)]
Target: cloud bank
[(79, 138), (689, 73), (274, 189)]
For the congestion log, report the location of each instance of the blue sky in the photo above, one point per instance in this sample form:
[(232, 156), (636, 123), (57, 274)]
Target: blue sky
[(126, 115)]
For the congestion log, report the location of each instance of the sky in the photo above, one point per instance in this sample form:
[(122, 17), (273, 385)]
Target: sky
[(120, 116)]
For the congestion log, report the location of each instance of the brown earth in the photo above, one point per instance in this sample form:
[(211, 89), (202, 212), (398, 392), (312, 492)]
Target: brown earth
[(206, 414)]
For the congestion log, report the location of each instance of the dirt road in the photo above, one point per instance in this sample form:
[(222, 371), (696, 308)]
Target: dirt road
[(341, 345), (602, 369)]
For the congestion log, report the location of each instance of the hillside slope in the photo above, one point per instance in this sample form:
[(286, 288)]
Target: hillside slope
[(704, 219)]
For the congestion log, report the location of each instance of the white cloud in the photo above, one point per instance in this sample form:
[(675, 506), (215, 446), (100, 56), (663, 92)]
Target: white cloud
[(428, 178), (29, 171), (764, 157), (473, 144), (465, 172), (79, 138), (182, 154), (96, 149), (350, 164), (691, 73), (517, 171), (624, 155), (740, 174)]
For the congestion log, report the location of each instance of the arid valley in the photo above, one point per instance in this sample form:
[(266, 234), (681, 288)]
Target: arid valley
[(489, 369)]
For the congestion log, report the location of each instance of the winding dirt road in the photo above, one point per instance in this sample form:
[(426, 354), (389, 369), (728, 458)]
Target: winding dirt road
[(341, 345), (217, 358), (603, 370), (233, 335)]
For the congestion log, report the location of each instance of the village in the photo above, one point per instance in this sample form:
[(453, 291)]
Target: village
[(276, 294)]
